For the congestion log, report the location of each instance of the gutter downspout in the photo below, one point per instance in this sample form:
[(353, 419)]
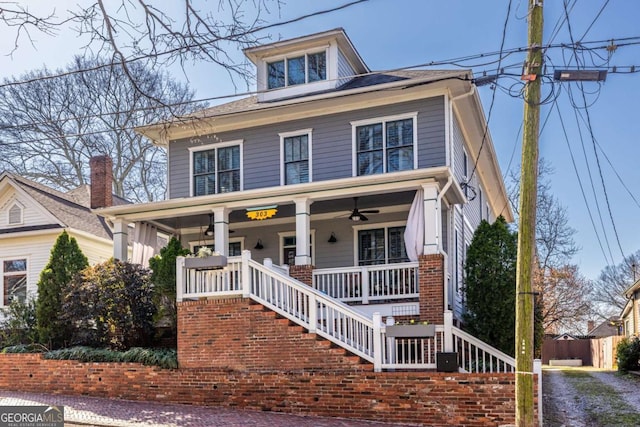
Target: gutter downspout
[(448, 315)]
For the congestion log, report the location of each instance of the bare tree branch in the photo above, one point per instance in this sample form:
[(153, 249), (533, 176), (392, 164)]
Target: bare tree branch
[(55, 128)]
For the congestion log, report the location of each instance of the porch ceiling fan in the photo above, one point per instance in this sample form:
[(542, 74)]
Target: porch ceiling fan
[(358, 215)]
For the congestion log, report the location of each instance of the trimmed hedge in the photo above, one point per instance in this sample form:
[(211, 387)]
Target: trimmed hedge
[(164, 358)]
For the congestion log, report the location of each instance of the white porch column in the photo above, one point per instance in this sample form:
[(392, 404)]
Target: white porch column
[(221, 230), (303, 231), (120, 239), (432, 219)]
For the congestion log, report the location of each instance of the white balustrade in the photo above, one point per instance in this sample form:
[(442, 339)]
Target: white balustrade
[(369, 284), (476, 356)]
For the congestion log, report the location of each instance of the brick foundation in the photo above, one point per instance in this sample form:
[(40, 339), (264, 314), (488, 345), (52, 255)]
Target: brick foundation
[(303, 273), (431, 277), (428, 398)]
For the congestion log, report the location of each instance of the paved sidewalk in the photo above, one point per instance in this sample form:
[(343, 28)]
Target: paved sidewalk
[(92, 411)]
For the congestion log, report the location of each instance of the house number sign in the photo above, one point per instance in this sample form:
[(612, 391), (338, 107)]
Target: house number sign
[(264, 212)]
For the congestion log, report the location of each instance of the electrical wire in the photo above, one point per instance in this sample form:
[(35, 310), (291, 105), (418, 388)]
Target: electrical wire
[(493, 98), (591, 132), (582, 191)]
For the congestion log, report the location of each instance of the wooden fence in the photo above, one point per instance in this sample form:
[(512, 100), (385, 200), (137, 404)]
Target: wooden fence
[(596, 352)]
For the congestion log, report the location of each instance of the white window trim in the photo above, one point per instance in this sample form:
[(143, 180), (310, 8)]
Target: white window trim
[(301, 132), (283, 234), (295, 54), (13, 273), (383, 120), (210, 242), (19, 206), (385, 225), (208, 147)]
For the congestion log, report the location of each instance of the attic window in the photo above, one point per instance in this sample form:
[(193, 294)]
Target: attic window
[(307, 68), (15, 214)]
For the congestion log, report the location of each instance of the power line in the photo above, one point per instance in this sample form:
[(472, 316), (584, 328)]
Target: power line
[(582, 192), (590, 129), (493, 98)]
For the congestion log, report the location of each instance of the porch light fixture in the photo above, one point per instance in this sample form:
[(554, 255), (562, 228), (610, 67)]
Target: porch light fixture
[(332, 239), (209, 231), (259, 245), (580, 75)]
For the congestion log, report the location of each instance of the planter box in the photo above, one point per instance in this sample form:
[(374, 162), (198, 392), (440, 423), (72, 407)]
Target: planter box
[(411, 331), (207, 263)]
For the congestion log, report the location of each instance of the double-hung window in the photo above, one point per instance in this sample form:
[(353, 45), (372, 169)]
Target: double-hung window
[(296, 70), (295, 148), (385, 145), (14, 280), (381, 245), (217, 169)]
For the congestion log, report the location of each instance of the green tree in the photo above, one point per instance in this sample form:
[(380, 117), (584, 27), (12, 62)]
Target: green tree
[(163, 277), (110, 305), (66, 260), (490, 285)]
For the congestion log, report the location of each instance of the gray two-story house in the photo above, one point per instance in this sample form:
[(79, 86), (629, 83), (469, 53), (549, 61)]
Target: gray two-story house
[(364, 185)]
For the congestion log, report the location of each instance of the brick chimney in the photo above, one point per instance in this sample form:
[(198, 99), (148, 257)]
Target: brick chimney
[(101, 181)]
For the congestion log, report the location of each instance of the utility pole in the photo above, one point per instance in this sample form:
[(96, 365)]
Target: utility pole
[(525, 416)]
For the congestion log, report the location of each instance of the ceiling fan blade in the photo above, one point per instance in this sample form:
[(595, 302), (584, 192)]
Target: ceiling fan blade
[(362, 217), (373, 211)]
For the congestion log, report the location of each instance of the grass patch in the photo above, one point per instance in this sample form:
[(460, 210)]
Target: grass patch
[(602, 403)]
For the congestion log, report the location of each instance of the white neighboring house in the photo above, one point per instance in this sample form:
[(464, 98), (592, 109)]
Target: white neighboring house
[(32, 216)]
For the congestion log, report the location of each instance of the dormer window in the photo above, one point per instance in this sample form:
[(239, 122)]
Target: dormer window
[(308, 68), (305, 65), (15, 214)]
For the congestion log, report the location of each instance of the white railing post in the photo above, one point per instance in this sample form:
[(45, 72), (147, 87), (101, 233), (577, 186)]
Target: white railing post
[(245, 276), (180, 278), (313, 313), (377, 342), (364, 283), (448, 331), (537, 369)]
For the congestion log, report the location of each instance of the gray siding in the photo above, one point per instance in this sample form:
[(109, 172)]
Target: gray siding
[(471, 210), (327, 255), (345, 70), (332, 145)]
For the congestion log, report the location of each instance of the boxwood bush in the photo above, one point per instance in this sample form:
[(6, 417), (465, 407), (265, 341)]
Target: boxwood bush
[(628, 354)]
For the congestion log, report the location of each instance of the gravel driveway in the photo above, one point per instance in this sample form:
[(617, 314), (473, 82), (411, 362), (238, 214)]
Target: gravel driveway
[(590, 398)]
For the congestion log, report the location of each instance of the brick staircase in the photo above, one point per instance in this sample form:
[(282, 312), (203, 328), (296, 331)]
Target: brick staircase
[(330, 355), (240, 334)]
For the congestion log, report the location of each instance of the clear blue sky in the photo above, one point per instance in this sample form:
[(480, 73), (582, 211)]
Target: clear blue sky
[(400, 33)]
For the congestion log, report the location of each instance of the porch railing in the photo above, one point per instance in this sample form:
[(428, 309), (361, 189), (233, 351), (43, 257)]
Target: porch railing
[(413, 353), (321, 313), (369, 284), (476, 356)]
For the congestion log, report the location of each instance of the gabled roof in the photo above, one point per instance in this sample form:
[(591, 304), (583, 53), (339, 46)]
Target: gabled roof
[(605, 329), (70, 209), (633, 288)]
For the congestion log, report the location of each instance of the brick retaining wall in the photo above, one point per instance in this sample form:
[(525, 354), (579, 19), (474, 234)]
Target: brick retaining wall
[(431, 398), (234, 353)]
